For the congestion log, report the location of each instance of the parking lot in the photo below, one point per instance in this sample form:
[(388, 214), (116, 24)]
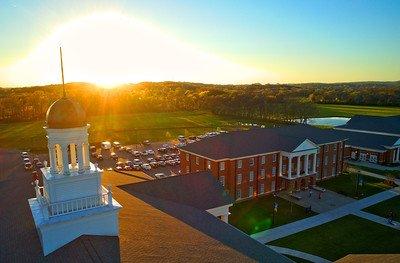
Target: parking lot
[(165, 162)]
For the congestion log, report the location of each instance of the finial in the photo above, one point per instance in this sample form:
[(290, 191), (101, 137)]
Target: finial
[(62, 74)]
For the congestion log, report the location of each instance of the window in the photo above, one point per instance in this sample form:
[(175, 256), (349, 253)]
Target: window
[(326, 148), (262, 173), (326, 160), (263, 159), (208, 164), (187, 169), (274, 157), (333, 170), (239, 179), (262, 188), (222, 180), (318, 161), (273, 171), (334, 158), (239, 163), (284, 168), (238, 193), (251, 176), (251, 161), (222, 166), (187, 157), (335, 147), (251, 192), (197, 160)]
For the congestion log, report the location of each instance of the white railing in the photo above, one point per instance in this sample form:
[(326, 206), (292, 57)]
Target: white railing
[(67, 207)]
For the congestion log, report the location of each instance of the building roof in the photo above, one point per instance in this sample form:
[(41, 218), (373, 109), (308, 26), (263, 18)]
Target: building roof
[(65, 113), (389, 124), (199, 190), (151, 229), (260, 140), (368, 140)]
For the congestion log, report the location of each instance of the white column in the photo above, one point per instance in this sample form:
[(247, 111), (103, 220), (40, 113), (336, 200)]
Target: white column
[(298, 165), (85, 154), (73, 154), (315, 163), (80, 157), (289, 166), (306, 163), (59, 157), (52, 157), (64, 149), (280, 164)]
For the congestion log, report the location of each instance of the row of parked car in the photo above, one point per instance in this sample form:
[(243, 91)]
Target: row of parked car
[(28, 165), (151, 162)]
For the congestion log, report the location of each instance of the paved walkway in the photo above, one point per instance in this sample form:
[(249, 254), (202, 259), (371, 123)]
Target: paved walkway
[(374, 165), (310, 222), (330, 200), (379, 176), (377, 219), (299, 254)]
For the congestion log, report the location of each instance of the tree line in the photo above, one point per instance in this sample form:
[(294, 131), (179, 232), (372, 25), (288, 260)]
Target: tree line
[(280, 102)]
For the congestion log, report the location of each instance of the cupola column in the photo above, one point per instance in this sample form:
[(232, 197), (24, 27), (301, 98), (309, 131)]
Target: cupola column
[(72, 149), (52, 157), (64, 149), (80, 157)]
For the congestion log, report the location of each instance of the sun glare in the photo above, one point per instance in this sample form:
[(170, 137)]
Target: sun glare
[(110, 49)]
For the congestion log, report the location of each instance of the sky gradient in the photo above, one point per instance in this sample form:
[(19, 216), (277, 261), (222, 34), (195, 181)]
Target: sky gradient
[(269, 41)]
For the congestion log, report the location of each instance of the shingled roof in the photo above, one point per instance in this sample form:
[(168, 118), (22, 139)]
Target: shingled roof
[(199, 190), (368, 140), (389, 124), (260, 140), (151, 229)]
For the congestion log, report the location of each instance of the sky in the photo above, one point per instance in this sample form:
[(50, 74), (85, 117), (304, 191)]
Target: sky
[(114, 42)]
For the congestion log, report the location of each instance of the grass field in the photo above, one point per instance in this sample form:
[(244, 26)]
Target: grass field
[(127, 129), (347, 235), (255, 215), (332, 110), (345, 184), (382, 209)]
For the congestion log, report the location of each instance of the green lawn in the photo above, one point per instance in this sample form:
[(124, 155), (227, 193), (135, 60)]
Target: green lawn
[(255, 215), (347, 235), (130, 128), (382, 209), (332, 110), (345, 184)]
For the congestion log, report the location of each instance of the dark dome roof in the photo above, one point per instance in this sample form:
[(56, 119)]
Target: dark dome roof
[(65, 113)]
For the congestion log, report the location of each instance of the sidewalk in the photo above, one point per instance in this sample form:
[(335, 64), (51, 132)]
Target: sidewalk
[(374, 165), (310, 222), (379, 176), (377, 219), (299, 254)]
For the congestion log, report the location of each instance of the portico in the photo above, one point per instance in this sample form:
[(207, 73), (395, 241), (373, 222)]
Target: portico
[(298, 168)]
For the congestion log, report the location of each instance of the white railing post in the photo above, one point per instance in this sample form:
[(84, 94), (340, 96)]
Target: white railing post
[(109, 196)]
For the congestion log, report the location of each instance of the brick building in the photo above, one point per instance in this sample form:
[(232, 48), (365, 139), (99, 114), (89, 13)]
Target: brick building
[(372, 139), (261, 161)]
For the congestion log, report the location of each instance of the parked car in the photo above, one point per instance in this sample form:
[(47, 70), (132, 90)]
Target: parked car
[(93, 154), (92, 149), (26, 160), (28, 166), (151, 152), (154, 164), (146, 167), (127, 168), (181, 138), (146, 142), (151, 159), (24, 155), (161, 163), (136, 167), (137, 162), (136, 153), (106, 145), (100, 157), (39, 164), (122, 148), (162, 150), (159, 175), (177, 161), (129, 163), (116, 145), (128, 149), (144, 153), (119, 164), (114, 156), (118, 168)]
